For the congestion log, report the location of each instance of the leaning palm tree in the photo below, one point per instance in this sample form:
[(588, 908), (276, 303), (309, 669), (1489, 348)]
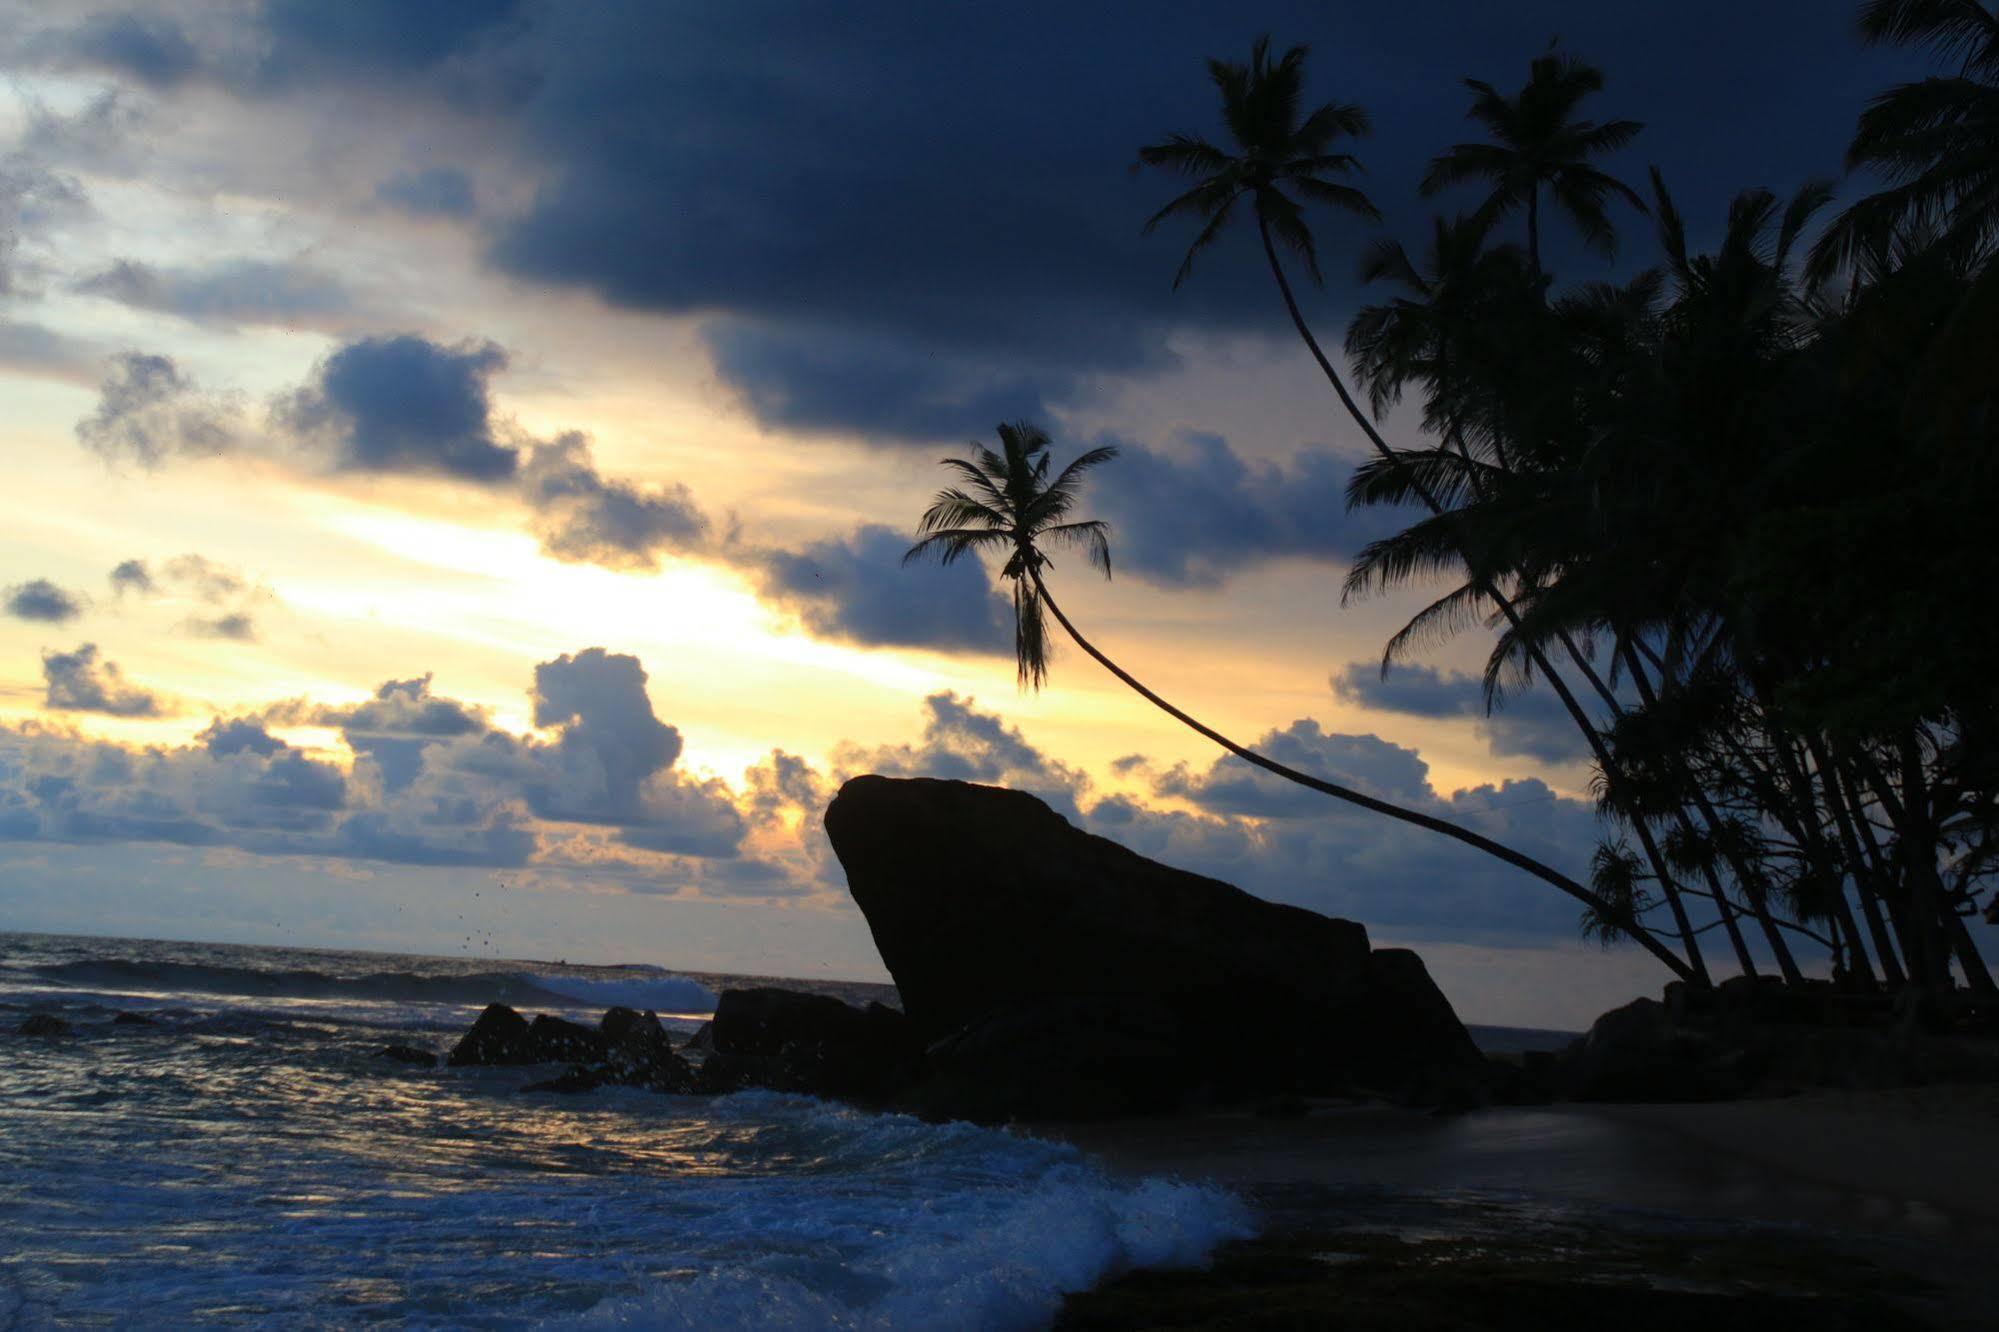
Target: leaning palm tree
[(1275, 150), (1006, 502), (1537, 142)]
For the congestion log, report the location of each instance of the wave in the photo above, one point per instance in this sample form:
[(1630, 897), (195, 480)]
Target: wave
[(954, 1226), (660, 991)]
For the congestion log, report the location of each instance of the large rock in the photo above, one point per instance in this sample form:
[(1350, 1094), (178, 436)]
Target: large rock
[(1051, 972)]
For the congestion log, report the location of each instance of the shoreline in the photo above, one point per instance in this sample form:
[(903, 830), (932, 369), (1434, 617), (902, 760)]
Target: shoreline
[(1892, 1190)]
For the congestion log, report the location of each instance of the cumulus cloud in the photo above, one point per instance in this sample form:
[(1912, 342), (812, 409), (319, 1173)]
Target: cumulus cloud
[(431, 192), (964, 744), (582, 517), (405, 404), (81, 681), (434, 782), (40, 600), (149, 412), (1366, 762), (856, 588), (1529, 723), (239, 291)]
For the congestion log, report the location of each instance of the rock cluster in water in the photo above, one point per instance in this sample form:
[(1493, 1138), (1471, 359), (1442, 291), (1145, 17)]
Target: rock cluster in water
[(1045, 973)]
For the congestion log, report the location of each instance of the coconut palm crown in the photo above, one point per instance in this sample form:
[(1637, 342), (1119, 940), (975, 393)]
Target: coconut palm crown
[(1007, 502), (1538, 141), (1275, 151)]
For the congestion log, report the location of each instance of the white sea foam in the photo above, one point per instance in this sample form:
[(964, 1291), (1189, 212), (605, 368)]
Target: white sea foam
[(994, 1230)]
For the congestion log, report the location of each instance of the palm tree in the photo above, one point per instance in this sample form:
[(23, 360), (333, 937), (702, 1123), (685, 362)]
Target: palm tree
[(1935, 141), (1007, 502), (1537, 141), (1276, 150)]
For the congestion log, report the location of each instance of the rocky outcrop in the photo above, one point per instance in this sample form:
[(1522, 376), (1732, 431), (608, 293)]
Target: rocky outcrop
[(42, 1024), (412, 1055), (500, 1036), (787, 1040), (1750, 1038), (1049, 972)]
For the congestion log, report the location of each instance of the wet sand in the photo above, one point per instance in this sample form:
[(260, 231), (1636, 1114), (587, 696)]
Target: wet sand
[(1906, 1181)]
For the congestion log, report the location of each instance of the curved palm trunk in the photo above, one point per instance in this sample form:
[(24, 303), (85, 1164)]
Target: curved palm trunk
[(1368, 802), (1696, 966)]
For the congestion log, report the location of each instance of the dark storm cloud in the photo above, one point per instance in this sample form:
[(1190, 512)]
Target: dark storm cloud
[(1201, 512), (582, 517), (611, 741), (41, 600), (241, 291), (370, 37), (857, 588), (148, 412), (405, 404), (1529, 723), (431, 192), (150, 48), (81, 681), (239, 735), (883, 388)]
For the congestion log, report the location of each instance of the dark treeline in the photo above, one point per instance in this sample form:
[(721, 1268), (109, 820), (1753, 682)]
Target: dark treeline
[(1734, 511)]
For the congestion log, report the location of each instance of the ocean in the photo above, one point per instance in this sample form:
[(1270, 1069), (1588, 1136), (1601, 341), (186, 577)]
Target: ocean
[(249, 1159)]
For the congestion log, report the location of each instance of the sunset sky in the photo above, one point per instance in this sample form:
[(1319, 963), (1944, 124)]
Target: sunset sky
[(460, 456)]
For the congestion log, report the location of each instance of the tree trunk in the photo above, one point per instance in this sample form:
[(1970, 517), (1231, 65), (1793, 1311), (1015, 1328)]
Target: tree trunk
[(1697, 966), (1430, 822), (1534, 227)]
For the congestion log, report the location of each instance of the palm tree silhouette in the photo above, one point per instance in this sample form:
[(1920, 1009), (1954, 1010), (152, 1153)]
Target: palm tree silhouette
[(1276, 150), (1537, 141), (1007, 502), (1935, 141)]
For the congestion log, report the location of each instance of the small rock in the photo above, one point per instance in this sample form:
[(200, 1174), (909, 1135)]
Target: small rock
[(500, 1036), (577, 1079), (133, 1020), (42, 1024), (407, 1054), (554, 1038)]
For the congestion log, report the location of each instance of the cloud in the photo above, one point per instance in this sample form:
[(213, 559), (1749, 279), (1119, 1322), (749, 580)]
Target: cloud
[(308, 39), (39, 350), (148, 47), (908, 256), (1202, 512), (41, 600), (810, 378), (434, 782), (431, 192), (581, 517), (239, 291), (1366, 762), (132, 576), (80, 682), (405, 404), (1530, 723), (236, 627), (148, 413), (962, 743), (856, 588)]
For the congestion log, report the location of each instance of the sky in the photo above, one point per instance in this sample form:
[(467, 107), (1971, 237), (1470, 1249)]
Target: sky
[(461, 454)]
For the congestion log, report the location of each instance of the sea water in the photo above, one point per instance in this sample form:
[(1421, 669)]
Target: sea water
[(248, 1158)]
